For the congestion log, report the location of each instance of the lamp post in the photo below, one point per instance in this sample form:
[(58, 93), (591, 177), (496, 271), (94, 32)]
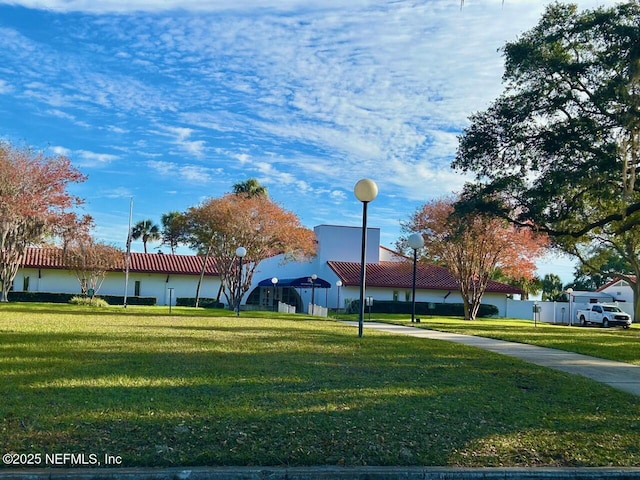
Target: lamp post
[(570, 292), (313, 279), (240, 253), (338, 284), (170, 297), (274, 281), (366, 191), (415, 241)]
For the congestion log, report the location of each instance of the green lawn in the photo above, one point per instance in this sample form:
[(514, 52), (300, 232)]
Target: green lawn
[(206, 388)]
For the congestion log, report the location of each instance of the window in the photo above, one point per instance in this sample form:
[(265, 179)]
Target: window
[(611, 309), (395, 295), (136, 288), (25, 284)]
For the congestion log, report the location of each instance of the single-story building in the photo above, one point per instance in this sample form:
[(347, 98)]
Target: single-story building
[(330, 279), (389, 276), (156, 275)]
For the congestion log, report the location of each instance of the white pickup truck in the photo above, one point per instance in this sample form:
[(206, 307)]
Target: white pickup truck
[(603, 314)]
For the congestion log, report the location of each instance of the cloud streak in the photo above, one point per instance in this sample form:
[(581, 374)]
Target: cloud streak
[(192, 96)]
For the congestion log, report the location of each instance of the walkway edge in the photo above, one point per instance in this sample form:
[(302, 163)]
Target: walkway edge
[(324, 473)]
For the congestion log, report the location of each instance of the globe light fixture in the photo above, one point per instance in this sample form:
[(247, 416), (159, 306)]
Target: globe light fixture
[(338, 284), (241, 252), (274, 281), (416, 242), (366, 190), (313, 279)]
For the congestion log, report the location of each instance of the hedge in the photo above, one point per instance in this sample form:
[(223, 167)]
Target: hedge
[(423, 308), (49, 297), (203, 302)]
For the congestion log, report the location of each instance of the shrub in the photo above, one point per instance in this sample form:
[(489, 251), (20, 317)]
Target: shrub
[(423, 308), (203, 302), (93, 302), (40, 297), (131, 300)]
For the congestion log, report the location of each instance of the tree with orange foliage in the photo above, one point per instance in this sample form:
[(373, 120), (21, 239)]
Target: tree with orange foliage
[(34, 203), (472, 247), (218, 226)]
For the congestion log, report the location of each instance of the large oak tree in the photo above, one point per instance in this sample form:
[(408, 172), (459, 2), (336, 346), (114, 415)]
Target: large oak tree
[(559, 149), (34, 204)]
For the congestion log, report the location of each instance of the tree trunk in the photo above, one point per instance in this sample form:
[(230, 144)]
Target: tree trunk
[(8, 272), (200, 280), (636, 299), (475, 307), (467, 307), (4, 293)]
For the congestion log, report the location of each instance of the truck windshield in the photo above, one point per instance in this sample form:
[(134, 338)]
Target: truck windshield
[(611, 309)]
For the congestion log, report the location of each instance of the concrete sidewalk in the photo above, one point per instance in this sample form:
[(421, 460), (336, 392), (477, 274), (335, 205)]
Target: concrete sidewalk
[(622, 376)]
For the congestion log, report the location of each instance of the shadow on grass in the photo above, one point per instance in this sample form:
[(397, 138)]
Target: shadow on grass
[(298, 394)]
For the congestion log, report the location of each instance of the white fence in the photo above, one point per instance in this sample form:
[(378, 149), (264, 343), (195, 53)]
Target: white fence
[(317, 310), (284, 308), (552, 312)]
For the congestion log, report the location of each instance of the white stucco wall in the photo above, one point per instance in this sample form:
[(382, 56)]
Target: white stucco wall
[(620, 291), (43, 280), (151, 285), (344, 244)]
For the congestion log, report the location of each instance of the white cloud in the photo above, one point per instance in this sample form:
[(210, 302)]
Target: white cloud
[(119, 192), (5, 87), (65, 152), (93, 159), (308, 101), (104, 6), (188, 174), (84, 158), (181, 138)]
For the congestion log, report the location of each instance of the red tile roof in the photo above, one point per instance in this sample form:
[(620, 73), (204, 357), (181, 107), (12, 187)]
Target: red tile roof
[(400, 275), (50, 257), (43, 258)]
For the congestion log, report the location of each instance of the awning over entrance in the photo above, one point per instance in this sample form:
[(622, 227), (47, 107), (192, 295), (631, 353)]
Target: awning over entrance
[(301, 282)]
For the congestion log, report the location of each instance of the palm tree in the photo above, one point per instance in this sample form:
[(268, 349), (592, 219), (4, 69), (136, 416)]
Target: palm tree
[(173, 230), (147, 231), (250, 188), (551, 287)]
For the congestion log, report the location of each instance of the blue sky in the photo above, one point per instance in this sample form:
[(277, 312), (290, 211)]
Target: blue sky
[(170, 102)]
